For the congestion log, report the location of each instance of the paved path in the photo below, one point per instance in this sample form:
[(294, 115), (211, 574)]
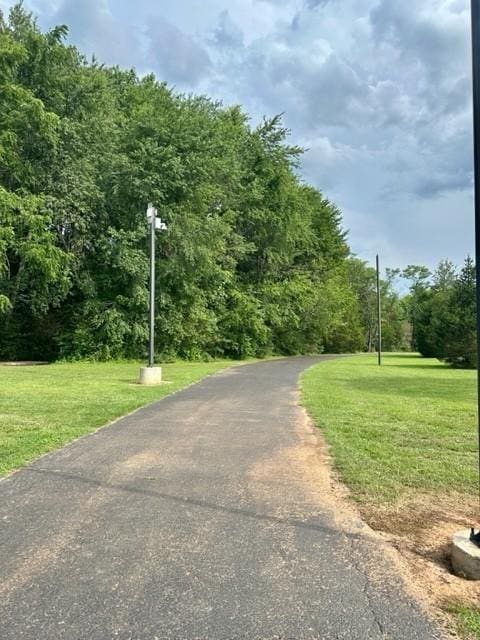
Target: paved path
[(199, 517)]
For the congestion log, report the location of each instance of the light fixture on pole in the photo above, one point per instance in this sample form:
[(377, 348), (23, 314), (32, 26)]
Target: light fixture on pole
[(152, 374)]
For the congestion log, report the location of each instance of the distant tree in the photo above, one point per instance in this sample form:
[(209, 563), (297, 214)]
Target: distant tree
[(396, 330), (460, 346), (363, 280), (419, 308), (442, 309)]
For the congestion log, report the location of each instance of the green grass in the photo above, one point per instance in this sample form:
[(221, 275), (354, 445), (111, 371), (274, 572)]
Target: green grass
[(44, 407), (468, 620), (407, 426)]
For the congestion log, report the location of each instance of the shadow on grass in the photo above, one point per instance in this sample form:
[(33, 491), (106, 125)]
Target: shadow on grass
[(410, 361), (406, 360), (413, 361), (420, 365), (450, 390)]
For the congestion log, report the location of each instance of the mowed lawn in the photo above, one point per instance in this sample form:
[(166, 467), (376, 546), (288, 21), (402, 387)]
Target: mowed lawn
[(406, 426), (44, 407), (398, 432)]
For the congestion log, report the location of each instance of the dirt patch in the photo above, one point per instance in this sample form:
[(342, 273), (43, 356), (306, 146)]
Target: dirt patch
[(417, 530), (416, 514), (420, 529), (142, 461), (297, 481), (414, 534)]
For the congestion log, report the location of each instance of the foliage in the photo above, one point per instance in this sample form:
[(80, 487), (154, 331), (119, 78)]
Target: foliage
[(395, 326), (442, 310), (254, 261)]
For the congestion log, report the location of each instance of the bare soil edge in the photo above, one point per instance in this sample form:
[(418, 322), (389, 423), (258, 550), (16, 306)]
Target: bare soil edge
[(420, 528), (414, 535)]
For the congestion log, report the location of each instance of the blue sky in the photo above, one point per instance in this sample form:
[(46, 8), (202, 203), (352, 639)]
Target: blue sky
[(378, 90)]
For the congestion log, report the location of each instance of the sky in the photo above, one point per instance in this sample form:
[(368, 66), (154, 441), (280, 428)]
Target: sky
[(377, 91)]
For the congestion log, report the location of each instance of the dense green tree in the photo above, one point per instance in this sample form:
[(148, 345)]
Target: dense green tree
[(460, 346), (419, 308), (395, 326), (442, 310), (254, 260)]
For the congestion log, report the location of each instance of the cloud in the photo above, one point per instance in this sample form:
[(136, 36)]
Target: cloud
[(179, 58), (228, 34), (378, 90), (96, 30), (313, 4)]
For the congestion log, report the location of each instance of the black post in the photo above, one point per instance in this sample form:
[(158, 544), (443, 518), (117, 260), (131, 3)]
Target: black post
[(475, 7), (151, 341), (379, 313)]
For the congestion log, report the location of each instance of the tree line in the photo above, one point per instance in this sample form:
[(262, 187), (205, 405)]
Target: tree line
[(441, 309), (255, 261)]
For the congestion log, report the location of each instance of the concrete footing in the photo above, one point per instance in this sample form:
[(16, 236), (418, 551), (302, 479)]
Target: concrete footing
[(465, 556), (150, 375)]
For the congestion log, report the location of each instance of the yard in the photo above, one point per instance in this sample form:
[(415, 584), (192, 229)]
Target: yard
[(403, 438)]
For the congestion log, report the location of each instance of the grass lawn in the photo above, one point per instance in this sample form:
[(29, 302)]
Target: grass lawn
[(44, 407), (407, 426), (403, 438)]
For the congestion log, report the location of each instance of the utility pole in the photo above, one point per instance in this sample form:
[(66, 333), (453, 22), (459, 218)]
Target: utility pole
[(152, 374), (475, 9), (379, 313)]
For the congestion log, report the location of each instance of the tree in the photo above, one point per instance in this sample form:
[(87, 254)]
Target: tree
[(255, 261), (460, 346), (363, 280), (442, 309), (419, 308)]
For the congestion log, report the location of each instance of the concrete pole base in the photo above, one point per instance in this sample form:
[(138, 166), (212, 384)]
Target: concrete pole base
[(150, 375), (465, 556)]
